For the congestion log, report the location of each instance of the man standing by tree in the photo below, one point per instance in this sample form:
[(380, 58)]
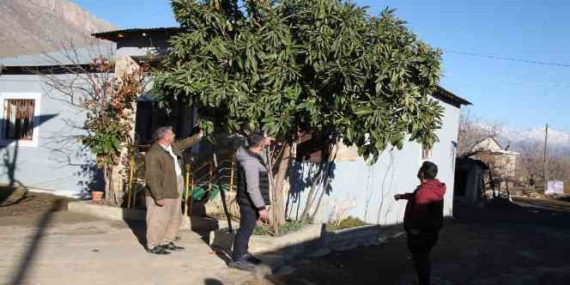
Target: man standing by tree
[(165, 183), (424, 218), (252, 197)]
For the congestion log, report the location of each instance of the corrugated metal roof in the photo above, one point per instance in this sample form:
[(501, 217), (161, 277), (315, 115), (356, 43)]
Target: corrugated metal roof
[(62, 57), (137, 32)]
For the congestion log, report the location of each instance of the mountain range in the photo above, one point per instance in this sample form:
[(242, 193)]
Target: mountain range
[(37, 26)]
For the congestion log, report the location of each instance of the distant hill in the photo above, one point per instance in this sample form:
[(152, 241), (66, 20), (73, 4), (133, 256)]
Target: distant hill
[(36, 26)]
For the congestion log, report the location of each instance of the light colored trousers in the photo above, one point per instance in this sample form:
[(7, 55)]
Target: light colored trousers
[(163, 223)]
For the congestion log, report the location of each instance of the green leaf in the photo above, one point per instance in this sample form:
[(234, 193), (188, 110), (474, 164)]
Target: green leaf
[(364, 111)]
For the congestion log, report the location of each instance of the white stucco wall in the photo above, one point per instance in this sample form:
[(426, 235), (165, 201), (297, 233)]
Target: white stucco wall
[(367, 191)]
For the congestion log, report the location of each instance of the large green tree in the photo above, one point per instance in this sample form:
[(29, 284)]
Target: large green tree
[(322, 66)]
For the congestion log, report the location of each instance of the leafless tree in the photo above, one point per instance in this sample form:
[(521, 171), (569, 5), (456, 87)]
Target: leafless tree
[(473, 130), (532, 159)]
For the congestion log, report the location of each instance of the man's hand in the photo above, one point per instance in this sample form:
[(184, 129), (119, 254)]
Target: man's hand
[(398, 197), (266, 141), (263, 214), (196, 130), (160, 202)]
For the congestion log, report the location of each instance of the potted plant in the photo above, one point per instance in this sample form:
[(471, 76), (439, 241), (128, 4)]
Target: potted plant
[(96, 196)]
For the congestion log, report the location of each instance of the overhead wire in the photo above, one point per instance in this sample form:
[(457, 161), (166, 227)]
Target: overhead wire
[(508, 58)]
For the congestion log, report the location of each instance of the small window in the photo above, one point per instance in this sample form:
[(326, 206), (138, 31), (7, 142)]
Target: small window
[(426, 152), (19, 119)]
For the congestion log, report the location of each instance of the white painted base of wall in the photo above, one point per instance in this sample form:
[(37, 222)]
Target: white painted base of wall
[(62, 193), (106, 212)]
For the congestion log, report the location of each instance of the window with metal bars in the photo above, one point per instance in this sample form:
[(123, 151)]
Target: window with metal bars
[(19, 119)]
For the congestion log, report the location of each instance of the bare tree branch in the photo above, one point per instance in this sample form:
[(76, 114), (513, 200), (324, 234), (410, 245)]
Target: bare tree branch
[(473, 130)]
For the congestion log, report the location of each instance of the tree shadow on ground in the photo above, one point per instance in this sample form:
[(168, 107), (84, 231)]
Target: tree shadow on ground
[(501, 210), (34, 245)]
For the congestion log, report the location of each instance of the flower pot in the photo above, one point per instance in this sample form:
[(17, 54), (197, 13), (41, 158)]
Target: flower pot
[(97, 196)]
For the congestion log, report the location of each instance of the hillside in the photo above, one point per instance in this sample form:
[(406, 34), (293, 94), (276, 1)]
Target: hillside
[(35, 26)]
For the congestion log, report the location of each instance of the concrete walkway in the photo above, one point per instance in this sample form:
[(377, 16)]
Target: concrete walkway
[(69, 248)]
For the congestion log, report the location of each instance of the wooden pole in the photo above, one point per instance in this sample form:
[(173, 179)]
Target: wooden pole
[(272, 193), (222, 194), (130, 182), (134, 196), (211, 173), (232, 172), (186, 190), (546, 160), (192, 182)]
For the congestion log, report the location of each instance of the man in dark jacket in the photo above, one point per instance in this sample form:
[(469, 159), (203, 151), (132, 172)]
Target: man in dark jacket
[(424, 218), (252, 197), (164, 186)]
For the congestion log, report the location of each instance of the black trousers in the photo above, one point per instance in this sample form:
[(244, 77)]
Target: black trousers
[(420, 246), (247, 223)]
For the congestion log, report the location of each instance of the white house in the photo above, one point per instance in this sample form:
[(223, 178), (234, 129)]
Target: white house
[(38, 131), (361, 190), (366, 191)]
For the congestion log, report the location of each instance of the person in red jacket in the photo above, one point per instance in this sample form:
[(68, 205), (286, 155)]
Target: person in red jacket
[(424, 218)]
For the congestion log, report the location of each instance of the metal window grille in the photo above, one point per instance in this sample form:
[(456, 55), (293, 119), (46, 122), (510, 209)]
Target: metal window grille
[(19, 119)]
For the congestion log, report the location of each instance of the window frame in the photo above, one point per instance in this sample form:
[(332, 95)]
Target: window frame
[(37, 107)]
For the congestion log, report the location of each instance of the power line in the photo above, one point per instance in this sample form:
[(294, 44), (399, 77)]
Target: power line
[(509, 81), (508, 58)]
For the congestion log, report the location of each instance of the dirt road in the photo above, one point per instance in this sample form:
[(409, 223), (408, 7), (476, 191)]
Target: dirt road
[(505, 244)]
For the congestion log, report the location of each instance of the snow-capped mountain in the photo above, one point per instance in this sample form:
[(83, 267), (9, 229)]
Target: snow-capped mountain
[(557, 140)]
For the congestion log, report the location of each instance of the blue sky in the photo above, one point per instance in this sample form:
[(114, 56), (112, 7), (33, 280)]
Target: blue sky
[(518, 94)]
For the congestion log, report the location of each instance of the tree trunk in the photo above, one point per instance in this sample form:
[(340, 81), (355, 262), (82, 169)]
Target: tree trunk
[(116, 191), (326, 178), (107, 180), (280, 182), (112, 197), (310, 197), (116, 185)]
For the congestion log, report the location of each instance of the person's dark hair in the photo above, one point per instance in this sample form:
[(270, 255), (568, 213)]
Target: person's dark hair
[(429, 170), (254, 139)]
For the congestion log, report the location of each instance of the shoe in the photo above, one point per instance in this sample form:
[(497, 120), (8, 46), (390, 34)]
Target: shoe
[(242, 264), (172, 247), (252, 259), (158, 250)]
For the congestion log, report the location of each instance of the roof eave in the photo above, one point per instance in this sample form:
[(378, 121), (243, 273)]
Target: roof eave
[(450, 95), (118, 35)]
